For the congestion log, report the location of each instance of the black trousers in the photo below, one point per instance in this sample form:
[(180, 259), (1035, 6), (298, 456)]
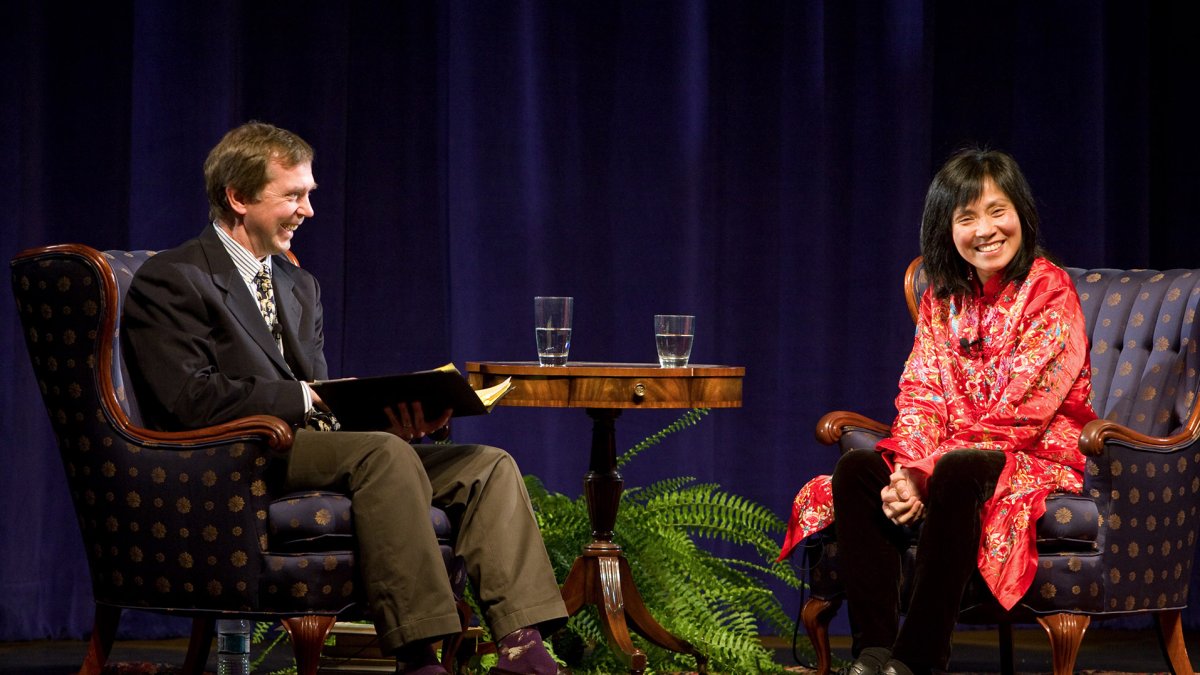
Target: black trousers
[(870, 548)]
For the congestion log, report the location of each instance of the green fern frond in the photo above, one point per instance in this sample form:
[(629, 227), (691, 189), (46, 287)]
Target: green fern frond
[(641, 495), (782, 571), (710, 512), (260, 632), (688, 419)]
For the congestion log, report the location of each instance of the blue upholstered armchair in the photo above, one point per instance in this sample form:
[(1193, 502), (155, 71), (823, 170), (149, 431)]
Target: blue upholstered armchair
[(194, 523), (1126, 545)]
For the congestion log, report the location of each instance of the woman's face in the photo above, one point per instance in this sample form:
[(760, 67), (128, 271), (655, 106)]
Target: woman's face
[(987, 232)]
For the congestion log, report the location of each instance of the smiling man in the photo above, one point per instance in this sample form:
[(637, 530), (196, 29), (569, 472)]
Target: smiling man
[(224, 326), (262, 223)]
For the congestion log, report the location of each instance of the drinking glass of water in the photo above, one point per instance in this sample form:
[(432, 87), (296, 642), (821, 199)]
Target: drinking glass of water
[(673, 334), (552, 327)]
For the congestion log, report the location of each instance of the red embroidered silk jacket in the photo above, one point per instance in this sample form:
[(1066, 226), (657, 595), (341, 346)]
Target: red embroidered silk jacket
[(1004, 369)]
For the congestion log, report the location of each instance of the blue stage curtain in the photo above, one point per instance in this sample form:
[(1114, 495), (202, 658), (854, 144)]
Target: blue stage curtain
[(761, 165)]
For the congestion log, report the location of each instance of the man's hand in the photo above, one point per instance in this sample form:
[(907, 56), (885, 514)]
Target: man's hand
[(901, 501), (316, 398), (408, 421)]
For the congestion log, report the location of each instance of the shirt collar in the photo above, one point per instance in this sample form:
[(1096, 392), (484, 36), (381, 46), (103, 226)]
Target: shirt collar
[(248, 266)]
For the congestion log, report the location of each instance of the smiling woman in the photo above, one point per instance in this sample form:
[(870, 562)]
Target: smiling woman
[(987, 232), (978, 200), (991, 403)]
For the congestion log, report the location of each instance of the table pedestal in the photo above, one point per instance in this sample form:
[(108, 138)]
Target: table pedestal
[(601, 575)]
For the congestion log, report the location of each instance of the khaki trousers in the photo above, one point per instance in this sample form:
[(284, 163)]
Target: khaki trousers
[(392, 485)]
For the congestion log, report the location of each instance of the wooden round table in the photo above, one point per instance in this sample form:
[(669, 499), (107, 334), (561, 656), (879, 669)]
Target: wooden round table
[(600, 575)]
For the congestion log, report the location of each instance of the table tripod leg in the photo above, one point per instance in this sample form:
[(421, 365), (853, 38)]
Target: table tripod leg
[(644, 623), (595, 579), (612, 614), (574, 589)]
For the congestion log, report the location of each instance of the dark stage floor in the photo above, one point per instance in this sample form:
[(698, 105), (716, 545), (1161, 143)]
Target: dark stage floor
[(974, 652), (1103, 651)]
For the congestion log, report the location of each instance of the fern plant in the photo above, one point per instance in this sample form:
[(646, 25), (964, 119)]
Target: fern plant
[(716, 603), (270, 634)]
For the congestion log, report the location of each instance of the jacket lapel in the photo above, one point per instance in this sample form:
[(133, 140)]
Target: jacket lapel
[(239, 301), (290, 309)]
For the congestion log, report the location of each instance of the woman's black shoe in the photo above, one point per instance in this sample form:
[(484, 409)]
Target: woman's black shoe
[(894, 667), (869, 662)]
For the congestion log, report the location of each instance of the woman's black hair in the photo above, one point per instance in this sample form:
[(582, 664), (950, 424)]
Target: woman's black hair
[(958, 183)]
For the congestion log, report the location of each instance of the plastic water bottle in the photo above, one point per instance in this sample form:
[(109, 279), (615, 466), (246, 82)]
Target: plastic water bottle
[(233, 647)]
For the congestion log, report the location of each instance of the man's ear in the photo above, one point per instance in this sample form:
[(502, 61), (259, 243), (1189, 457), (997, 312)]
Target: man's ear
[(236, 200)]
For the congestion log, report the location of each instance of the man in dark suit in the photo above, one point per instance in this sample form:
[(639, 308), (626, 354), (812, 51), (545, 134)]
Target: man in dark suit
[(225, 326)]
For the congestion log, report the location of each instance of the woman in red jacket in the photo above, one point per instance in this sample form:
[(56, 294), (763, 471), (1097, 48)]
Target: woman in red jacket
[(991, 404)]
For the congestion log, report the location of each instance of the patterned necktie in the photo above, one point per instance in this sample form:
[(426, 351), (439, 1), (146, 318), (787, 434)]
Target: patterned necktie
[(266, 304), (318, 420)]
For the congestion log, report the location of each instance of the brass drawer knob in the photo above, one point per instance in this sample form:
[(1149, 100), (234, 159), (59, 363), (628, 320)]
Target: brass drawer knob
[(639, 391)]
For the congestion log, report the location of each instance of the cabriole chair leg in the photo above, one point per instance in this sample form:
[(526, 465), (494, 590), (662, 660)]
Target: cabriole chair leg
[(816, 615), (308, 635), (1066, 633)]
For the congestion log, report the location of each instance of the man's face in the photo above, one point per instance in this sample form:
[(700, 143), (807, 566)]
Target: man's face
[(987, 232), (270, 219)]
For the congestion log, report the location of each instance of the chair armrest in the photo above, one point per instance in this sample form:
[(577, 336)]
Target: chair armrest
[(832, 425), (273, 431), (1098, 433)]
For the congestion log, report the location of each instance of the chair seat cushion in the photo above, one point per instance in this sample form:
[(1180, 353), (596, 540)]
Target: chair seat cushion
[(310, 564), (322, 521), (311, 521), (820, 564), (1071, 523)]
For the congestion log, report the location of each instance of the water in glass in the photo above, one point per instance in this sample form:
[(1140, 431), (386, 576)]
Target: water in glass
[(553, 345), (674, 349)]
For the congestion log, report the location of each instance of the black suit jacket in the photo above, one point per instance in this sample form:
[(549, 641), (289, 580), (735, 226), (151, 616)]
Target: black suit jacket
[(198, 350)]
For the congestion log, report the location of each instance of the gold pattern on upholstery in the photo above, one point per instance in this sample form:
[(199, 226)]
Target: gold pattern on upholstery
[(301, 580), (1127, 543), (314, 520)]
